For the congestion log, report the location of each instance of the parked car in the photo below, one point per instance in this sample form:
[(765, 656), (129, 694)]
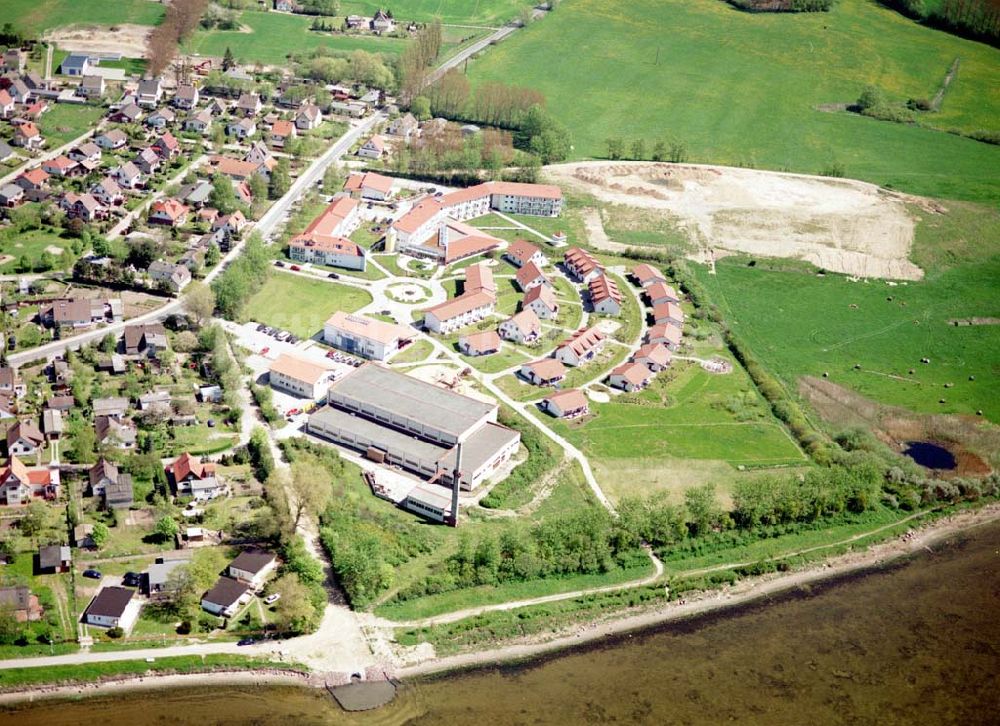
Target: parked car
[(273, 598), (331, 353), (211, 423), (279, 263), (264, 350), (295, 268), (260, 327), (333, 276), (246, 641), (131, 579), (93, 574), (294, 412), (282, 336)]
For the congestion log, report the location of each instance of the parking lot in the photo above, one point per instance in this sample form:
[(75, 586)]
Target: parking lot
[(265, 349)]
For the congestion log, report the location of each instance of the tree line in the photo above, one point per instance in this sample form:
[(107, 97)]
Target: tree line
[(975, 19), (242, 279), (417, 60), (674, 150), (179, 21)]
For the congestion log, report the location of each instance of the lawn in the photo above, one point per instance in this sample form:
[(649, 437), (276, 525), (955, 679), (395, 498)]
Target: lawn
[(65, 121), (742, 88), (480, 12), (31, 243), (38, 15), (273, 36), (300, 305), (507, 357), (801, 324), (416, 352)]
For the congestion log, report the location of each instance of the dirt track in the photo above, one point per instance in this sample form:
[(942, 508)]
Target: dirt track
[(840, 225)]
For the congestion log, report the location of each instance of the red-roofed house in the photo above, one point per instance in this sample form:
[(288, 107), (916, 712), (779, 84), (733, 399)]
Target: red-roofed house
[(167, 146), (543, 372), (630, 377), (190, 476), (169, 212), (525, 327), (61, 166), (369, 186), (28, 136), (530, 276), (668, 314), (605, 297), (475, 344), (459, 312), (655, 356), (6, 104), (33, 180), (581, 348), (570, 403), (660, 292), (669, 335), (543, 301), (323, 250), (19, 484), (645, 275), (581, 264), (281, 132), (521, 252), (24, 439)]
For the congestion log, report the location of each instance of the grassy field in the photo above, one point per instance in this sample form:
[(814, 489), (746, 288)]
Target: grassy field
[(31, 243), (740, 88), (65, 121), (472, 12), (38, 15), (802, 324), (272, 36), (688, 415), (300, 305)]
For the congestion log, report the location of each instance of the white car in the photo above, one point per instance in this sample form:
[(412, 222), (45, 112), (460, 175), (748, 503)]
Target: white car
[(273, 598)]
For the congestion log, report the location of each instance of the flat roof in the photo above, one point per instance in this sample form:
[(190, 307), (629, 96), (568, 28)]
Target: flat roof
[(412, 398)]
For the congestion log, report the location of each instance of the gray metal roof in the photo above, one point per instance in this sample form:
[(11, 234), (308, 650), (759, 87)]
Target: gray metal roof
[(411, 398)]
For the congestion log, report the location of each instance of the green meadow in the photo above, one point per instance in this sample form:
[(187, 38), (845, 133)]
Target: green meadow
[(39, 15), (301, 305), (472, 12), (799, 323), (742, 89)]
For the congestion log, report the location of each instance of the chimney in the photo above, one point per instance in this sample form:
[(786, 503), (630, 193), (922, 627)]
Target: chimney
[(456, 479)]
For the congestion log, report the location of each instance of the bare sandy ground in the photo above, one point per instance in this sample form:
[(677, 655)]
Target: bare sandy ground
[(840, 225), (129, 40)]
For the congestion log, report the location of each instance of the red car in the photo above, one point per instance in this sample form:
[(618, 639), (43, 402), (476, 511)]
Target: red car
[(295, 268), (263, 351), (294, 412)]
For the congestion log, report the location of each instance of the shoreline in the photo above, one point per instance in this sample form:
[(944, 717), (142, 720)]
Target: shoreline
[(744, 592)]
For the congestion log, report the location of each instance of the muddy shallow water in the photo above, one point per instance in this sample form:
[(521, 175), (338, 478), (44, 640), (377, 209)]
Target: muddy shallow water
[(914, 643)]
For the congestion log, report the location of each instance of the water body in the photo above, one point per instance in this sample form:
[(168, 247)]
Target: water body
[(915, 643), (930, 455)]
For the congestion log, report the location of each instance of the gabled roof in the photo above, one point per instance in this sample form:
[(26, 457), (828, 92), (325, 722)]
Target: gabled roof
[(644, 274), (604, 288), (656, 353), (528, 273), (370, 328), (300, 369), (226, 592), (368, 180), (658, 290), (635, 373), (282, 128), (670, 332), (186, 464), (27, 431), (252, 561), (569, 399), (479, 278), (37, 177), (485, 340), (581, 260), (103, 469), (546, 368), (461, 305), (522, 250), (526, 322), (543, 294), (583, 341), (169, 207)]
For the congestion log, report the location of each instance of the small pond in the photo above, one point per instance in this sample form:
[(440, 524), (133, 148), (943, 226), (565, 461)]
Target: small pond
[(930, 455)]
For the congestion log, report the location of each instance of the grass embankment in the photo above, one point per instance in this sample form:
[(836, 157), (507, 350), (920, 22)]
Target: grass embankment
[(91, 672), (494, 628), (301, 305), (798, 324), (751, 98), (38, 15)]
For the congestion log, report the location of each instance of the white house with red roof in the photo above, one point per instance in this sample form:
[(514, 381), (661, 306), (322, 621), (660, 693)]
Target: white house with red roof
[(369, 185), (189, 476), (521, 252), (523, 328), (542, 300), (28, 136), (486, 342), (530, 276), (6, 104), (366, 337), (668, 314), (655, 356), (605, 297), (543, 372), (582, 347), (20, 484), (61, 166), (281, 133), (167, 146), (668, 335), (631, 377), (570, 403), (581, 264)]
